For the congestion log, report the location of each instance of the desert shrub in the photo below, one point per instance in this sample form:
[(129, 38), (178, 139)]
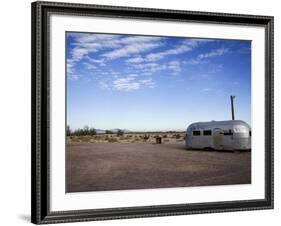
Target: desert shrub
[(165, 136), (85, 130), (146, 137), (120, 133), (98, 137), (84, 138), (108, 132), (92, 131), (112, 139), (177, 136), (82, 132)]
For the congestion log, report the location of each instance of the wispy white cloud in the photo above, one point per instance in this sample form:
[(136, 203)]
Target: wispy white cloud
[(78, 53), (174, 51), (186, 46), (70, 65), (203, 57), (134, 49), (150, 68), (174, 66), (90, 38), (74, 77), (139, 39), (148, 64), (130, 49), (213, 53), (71, 74), (100, 62), (135, 60), (89, 66), (116, 46), (89, 43), (82, 45), (148, 83), (126, 84), (131, 84)]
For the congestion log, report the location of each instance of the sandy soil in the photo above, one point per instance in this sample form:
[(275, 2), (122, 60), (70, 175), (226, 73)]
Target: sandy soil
[(118, 166)]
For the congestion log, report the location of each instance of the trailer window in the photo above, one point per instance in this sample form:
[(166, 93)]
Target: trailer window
[(227, 132), (207, 132), (196, 133)]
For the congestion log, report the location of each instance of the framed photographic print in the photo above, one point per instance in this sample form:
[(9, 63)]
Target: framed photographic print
[(141, 112)]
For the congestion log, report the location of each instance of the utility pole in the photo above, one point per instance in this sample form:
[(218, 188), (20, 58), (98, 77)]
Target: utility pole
[(232, 107)]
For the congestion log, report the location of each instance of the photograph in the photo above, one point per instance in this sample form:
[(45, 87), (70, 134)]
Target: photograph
[(147, 112)]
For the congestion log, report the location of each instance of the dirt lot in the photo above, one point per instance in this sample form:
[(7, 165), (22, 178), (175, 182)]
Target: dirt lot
[(118, 166)]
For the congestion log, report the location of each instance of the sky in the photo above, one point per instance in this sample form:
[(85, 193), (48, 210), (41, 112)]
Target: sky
[(152, 83)]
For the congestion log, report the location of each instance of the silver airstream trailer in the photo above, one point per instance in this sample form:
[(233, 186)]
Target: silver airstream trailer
[(219, 135)]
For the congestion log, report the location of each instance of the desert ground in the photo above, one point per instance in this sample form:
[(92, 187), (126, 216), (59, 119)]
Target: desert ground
[(135, 161)]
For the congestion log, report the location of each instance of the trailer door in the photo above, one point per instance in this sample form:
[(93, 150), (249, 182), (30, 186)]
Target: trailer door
[(218, 138)]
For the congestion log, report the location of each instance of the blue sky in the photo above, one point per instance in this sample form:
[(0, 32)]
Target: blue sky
[(150, 83)]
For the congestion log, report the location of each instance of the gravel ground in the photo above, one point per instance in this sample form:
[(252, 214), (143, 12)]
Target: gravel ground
[(116, 166)]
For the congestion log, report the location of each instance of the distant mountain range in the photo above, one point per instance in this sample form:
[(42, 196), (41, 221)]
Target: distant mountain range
[(102, 131)]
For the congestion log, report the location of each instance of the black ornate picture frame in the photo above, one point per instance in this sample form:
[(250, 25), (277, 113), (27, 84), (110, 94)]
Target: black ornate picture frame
[(41, 212)]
